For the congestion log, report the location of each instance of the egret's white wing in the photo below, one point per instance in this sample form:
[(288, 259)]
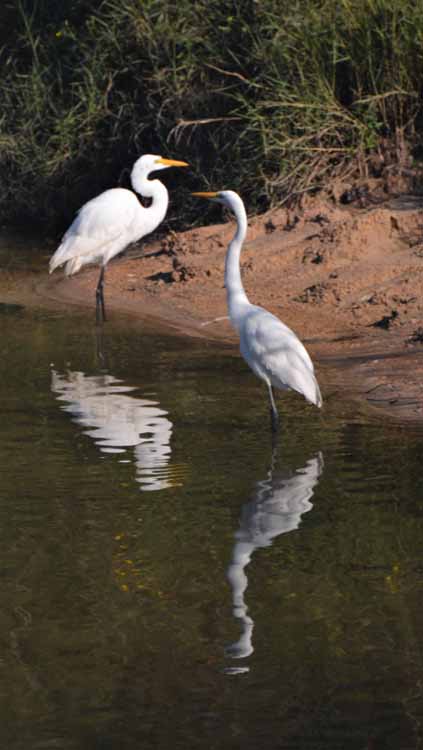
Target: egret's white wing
[(272, 349), (101, 229)]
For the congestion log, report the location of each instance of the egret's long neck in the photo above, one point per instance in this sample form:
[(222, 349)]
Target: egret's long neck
[(155, 190), (235, 292)]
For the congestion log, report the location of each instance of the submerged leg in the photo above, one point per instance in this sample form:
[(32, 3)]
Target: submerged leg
[(100, 312), (100, 350), (274, 416), (275, 435)]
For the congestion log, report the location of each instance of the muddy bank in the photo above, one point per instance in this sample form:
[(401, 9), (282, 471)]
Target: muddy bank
[(348, 280)]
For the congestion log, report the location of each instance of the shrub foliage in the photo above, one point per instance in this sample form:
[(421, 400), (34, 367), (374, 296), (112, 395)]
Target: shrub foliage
[(269, 98)]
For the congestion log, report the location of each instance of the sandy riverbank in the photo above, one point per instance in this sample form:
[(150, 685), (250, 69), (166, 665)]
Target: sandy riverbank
[(347, 280)]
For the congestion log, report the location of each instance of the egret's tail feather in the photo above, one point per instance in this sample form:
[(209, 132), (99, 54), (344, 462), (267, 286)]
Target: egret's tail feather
[(54, 263), (72, 265), (312, 393), (60, 257), (75, 251)]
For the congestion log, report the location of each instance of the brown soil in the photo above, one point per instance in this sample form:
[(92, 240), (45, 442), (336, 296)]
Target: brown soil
[(348, 280)]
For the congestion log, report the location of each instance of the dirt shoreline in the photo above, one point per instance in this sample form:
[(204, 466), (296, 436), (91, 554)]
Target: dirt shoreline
[(347, 280)]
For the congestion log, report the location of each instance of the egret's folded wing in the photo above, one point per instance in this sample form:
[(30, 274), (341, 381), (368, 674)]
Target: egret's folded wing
[(281, 354), (100, 224)]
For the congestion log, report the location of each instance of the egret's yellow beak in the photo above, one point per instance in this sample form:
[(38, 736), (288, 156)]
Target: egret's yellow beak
[(205, 195), (171, 162)]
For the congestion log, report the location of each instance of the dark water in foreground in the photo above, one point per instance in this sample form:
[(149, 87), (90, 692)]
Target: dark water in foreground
[(168, 582)]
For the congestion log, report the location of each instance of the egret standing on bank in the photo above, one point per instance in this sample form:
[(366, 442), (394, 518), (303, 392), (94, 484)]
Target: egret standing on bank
[(274, 352), (107, 224)]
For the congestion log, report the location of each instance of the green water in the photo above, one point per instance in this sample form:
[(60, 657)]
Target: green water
[(149, 535)]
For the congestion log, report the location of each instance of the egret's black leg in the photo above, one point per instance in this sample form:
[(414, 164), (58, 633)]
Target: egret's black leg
[(100, 312), (274, 416)]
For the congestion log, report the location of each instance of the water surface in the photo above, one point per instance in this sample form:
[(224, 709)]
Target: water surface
[(171, 579)]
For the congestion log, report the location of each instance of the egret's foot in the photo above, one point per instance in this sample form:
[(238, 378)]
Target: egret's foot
[(274, 420), (100, 352), (274, 417)]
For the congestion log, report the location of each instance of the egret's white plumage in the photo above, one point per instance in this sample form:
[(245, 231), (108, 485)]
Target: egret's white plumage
[(107, 224), (116, 419), (277, 507), (272, 350)]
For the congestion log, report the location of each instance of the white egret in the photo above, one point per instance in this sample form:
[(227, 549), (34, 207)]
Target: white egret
[(116, 419), (107, 224), (278, 503), (272, 350)]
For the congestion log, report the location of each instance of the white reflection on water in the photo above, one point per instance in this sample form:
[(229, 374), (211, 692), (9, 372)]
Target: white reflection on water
[(277, 506), (117, 421)]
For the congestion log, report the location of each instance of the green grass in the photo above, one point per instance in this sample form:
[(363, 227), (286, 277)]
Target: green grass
[(270, 98)]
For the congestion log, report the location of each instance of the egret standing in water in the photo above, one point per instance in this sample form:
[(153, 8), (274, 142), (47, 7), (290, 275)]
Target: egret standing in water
[(274, 352), (107, 224)]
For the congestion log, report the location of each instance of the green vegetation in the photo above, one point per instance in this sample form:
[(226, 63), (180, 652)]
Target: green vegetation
[(269, 98)]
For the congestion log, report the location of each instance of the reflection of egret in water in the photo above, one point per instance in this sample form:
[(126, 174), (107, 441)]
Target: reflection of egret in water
[(117, 421), (276, 508)]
